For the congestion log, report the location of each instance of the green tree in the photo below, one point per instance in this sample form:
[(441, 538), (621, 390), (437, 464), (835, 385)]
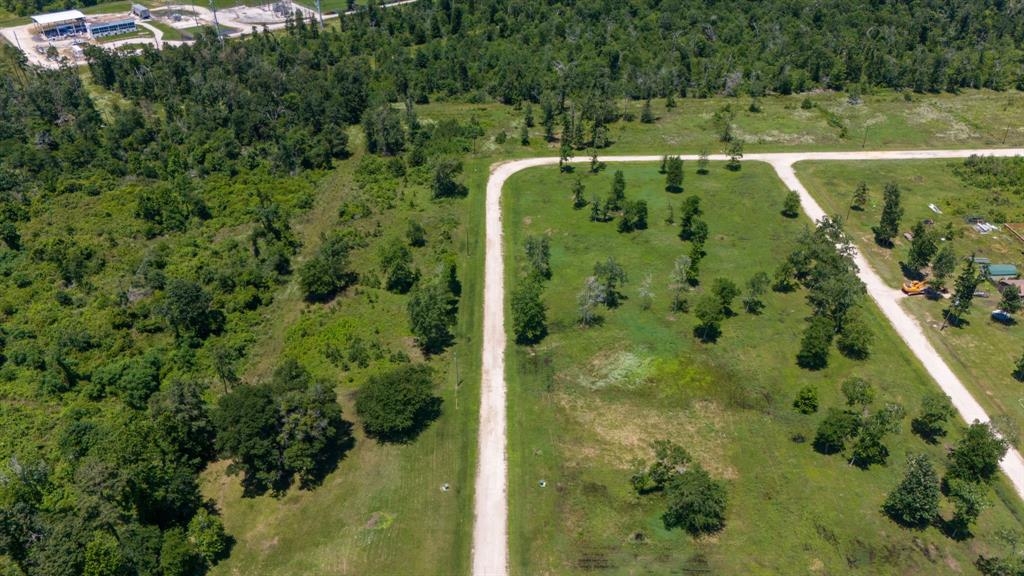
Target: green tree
[(396, 264), (182, 421), (963, 294), (734, 150), (930, 423), (689, 213), (915, 501), (396, 404), (756, 288), (815, 344), (860, 196), (977, 455), (578, 201), (383, 129), (680, 281), (646, 114), (1011, 300), (969, 501), (445, 183), (833, 432), (674, 174), (207, 536), (103, 556), (177, 556), (617, 195), (528, 116), (709, 311), (943, 265), (870, 448), (529, 315), (247, 426), (415, 234), (565, 155), (726, 291), (892, 212), (1018, 369), (610, 275), (855, 338), (859, 393), (791, 206), (186, 307), (596, 210), (634, 216), (538, 256), (327, 272), (696, 502), (806, 401), (431, 316), (922, 247), (702, 161), (670, 460), (587, 301), (310, 427)]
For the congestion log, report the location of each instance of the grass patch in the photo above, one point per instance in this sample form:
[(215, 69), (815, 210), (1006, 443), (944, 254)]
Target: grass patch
[(791, 509), (982, 352), (170, 32), (382, 510)]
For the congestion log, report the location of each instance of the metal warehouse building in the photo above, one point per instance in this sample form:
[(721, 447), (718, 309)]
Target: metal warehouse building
[(59, 24), (100, 27)]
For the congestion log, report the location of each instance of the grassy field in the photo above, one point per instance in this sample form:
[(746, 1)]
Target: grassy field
[(585, 402), (382, 510), (971, 119), (982, 352)]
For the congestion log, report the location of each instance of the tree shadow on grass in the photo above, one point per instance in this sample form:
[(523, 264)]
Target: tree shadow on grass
[(954, 529), (331, 456), (707, 334), (910, 273)]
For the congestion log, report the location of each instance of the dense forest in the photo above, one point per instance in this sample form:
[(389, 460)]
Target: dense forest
[(141, 246), (521, 49), (123, 332)]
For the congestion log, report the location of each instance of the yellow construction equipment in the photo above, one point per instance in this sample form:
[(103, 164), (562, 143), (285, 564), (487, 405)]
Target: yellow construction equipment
[(914, 288)]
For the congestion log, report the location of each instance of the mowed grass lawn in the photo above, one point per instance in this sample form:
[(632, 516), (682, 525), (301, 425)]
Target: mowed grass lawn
[(585, 402), (982, 352)]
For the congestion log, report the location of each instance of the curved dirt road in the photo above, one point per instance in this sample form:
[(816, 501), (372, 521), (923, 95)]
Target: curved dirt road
[(490, 526)]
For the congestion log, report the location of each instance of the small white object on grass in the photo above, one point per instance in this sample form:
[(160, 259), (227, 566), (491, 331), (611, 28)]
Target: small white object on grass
[(543, 483), (445, 487)]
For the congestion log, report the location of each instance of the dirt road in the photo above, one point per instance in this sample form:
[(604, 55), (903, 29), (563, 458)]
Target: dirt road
[(490, 528)]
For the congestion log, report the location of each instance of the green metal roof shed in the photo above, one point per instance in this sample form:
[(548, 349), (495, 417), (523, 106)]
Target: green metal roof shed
[(1002, 270)]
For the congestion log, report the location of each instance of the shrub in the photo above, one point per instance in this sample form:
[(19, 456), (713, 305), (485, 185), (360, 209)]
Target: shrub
[(396, 404)]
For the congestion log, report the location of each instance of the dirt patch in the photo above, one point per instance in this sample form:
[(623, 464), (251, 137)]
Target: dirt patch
[(616, 432)]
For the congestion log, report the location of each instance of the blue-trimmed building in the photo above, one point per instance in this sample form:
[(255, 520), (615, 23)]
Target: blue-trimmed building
[(59, 24), (111, 26)]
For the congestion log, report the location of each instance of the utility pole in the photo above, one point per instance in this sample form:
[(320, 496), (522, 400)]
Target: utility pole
[(458, 378), (865, 141), (320, 14), (216, 24)]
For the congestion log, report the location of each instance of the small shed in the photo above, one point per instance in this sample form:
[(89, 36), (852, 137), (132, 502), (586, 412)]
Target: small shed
[(141, 11), (1001, 270)]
